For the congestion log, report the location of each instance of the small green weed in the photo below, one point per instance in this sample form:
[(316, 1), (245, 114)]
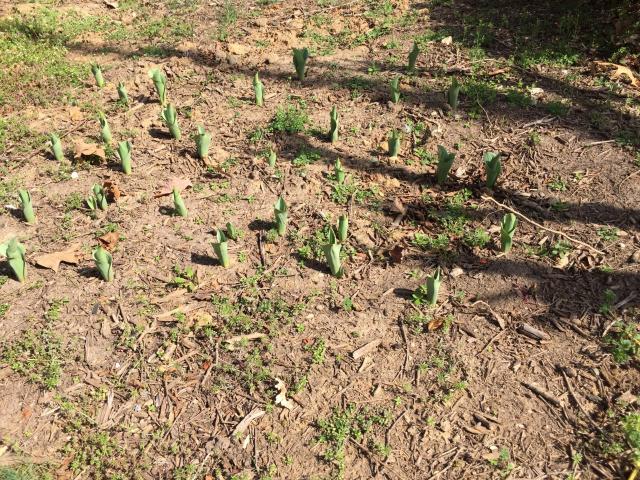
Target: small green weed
[(290, 119), (624, 341)]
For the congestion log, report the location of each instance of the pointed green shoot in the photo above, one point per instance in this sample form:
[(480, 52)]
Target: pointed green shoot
[(203, 140), (15, 253), (97, 75), (170, 117), (493, 167), (339, 171), (445, 160), (105, 130), (452, 94), (232, 232), (178, 204), (258, 88), (395, 90), (300, 56), (433, 287), (123, 96), (124, 152), (333, 132), (104, 263), (56, 147), (27, 208), (160, 82), (272, 157), (507, 229), (413, 57), (99, 198), (221, 248), (343, 228), (394, 144), (280, 211), (332, 254)]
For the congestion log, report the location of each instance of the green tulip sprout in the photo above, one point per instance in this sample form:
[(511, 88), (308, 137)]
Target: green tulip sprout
[(333, 132), (104, 263), (15, 253), (332, 254), (452, 94), (105, 130), (27, 208), (493, 167), (124, 152), (123, 96), (272, 157), (99, 198), (258, 88), (339, 171), (507, 229), (221, 248), (433, 287), (160, 82), (343, 228), (56, 147), (203, 140), (300, 56), (445, 160), (395, 90), (97, 74), (280, 211), (170, 117), (178, 204), (413, 56), (232, 232), (394, 144)]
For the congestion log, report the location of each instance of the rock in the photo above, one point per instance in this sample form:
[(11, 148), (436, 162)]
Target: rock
[(447, 40), (238, 49), (260, 22), (456, 272), (635, 258)]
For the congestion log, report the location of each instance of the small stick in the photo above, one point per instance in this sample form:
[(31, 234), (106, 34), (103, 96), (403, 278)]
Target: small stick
[(542, 393), (557, 232), (575, 398)]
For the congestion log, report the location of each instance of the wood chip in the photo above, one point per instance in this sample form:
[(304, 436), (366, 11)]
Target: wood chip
[(543, 393), (245, 422), (532, 332), (365, 349)]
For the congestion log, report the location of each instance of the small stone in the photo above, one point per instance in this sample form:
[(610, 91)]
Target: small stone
[(635, 258), (456, 272), (260, 22)]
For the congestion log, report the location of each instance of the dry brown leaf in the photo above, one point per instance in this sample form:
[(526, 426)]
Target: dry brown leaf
[(52, 260), (621, 71), (396, 254), (112, 190), (175, 182), (83, 149), (75, 114), (435, 324), (109, 240), (281, 397)]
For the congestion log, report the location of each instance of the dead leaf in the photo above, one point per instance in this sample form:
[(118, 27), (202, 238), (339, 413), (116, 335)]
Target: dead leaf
[(111, 3), (109, 240), (396, 254), (175, 182), (83, 149), (52, 260), (112, 190), (562, 262), (75, 114), (281, 397), (621, 71), (435, 324)]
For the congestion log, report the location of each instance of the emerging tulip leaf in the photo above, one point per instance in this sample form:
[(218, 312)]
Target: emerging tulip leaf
[(433, 287), (97, 75), (333, 132), (203, 140), (413, 56), (452, 94), (15, 253), (232, 232), (99, 198), (492, 166), (300, 56), (56, 147), (170, 117), (27, 208), (394, 144), (507, 229), (395, 90), (343, 228), (272, 157), (124, 152), (258, 88), (104, 263), (445, 160), (105, 130), (160, 82), (340, 174), (178, 203), (221, 248), (332, 254), (122, 94), (280, 212)]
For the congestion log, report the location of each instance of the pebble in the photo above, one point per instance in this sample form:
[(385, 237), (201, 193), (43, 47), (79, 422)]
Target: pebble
[(456, 272), (635, 258)]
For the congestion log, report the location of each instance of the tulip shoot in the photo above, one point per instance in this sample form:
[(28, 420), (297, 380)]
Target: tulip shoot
[(271, 158), (170, 117), (343, 228), (124, 152), (433, 287), (332, 254), (97, 75), (413, 57), (258, 88), (15, 253), (300, 56), (99, 198), (160, 83), (104, 263), (203, 140), (56, 147), (507, 229), (232, 232), (178, 204), (394, 144), (395, 90), (333, 132), (339, 171), (280, 212), (123, 96), (452, 94), (445, 160), (105, 130), (27, 208), (221, 248), (493, 167)]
